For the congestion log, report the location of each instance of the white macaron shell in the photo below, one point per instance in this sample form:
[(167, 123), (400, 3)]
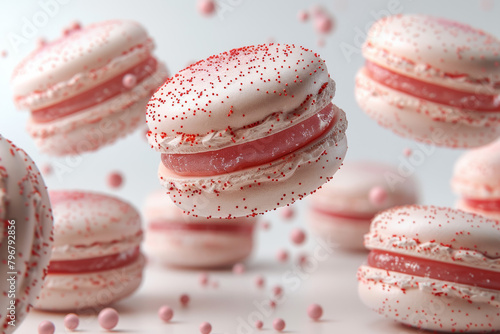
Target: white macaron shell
[(436, 50), (24, 200), (237, 90), (477, 173), (88, 225), (439, 234)]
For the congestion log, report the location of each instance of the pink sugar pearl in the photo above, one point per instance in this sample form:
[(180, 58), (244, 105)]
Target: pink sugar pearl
[(265, 226), (71, 321), (259, 281), (378, 195), (108, 318), (239, 268), (407, 152), (46, 169), (287, 213), (298, 236), (184, 299), (206, 7), (282, 255), (203, 279), (129, 81), (115, 180), (165, 313), (277, 291), (302, 16), (323, 24), (259, 324), (279, 324), (46, 327), (205, 328), (314, 311)]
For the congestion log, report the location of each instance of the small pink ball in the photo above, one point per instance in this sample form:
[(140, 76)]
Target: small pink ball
[(108, 318), (302, 16), (115, 180), (71, 321), (265, 226), (298, 236), (165, 313), (259, 324), (129, 81), (184, 299), (205, 328), (287, 213), (282, 255), (279, 324), (378, 195), (407, 152), (46, 169), (203, 279), (302, 259), (277, 291), (323, 24), (239, 268), (46, 327), (206, 7), (259, 281), (272, 304), (314, 311)]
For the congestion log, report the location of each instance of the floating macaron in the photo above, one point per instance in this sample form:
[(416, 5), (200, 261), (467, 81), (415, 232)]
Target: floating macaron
[(176, 239), (342, 210), (476, 179), (89, 87), (246, 131), (96, 258), (432, 79), (25, 234), (433, 268)]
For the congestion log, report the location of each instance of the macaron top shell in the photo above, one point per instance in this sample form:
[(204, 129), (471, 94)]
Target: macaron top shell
[(476, 173), (349, 191), (158, 207), (428, 47), (97, 224), (237, 96), (74, 59), (437, 233)]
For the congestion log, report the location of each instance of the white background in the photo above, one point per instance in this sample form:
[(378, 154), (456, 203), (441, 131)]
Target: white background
[(182, 35)]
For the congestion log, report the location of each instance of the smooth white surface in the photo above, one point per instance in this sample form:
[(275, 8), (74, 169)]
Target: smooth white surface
[(181, 36)]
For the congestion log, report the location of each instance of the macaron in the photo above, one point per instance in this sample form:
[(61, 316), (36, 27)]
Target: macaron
[(341, 211), (432, 79), (433, 268), (246, 131), (88, 87), (96, 258), (176, 239), (476, 179), (25, 234)]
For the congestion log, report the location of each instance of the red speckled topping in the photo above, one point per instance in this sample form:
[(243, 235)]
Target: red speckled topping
[(236, 96), (435, 47), (82, 50), (438, 233), (25, 207)]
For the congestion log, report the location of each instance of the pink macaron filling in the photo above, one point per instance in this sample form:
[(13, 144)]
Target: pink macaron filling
[(491, 205), (168, 226), (254, 153), (353, 216), (95, 264), (95, 95), (432, 92), (444, 271)]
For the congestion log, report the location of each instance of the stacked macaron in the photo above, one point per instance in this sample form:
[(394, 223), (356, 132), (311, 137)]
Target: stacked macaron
[(89, 87), (25, 234), (246, 131), (433, 268), (176, 239), (476, 178), (341, 211), (432, 79), (96, 256)]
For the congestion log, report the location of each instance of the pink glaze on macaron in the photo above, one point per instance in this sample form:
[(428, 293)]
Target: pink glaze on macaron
[(177, 239), (476, 179), (432, 79), (341, 211), (79, 88), (246, 131), (25, 226), (433, 268), (96, 257)]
